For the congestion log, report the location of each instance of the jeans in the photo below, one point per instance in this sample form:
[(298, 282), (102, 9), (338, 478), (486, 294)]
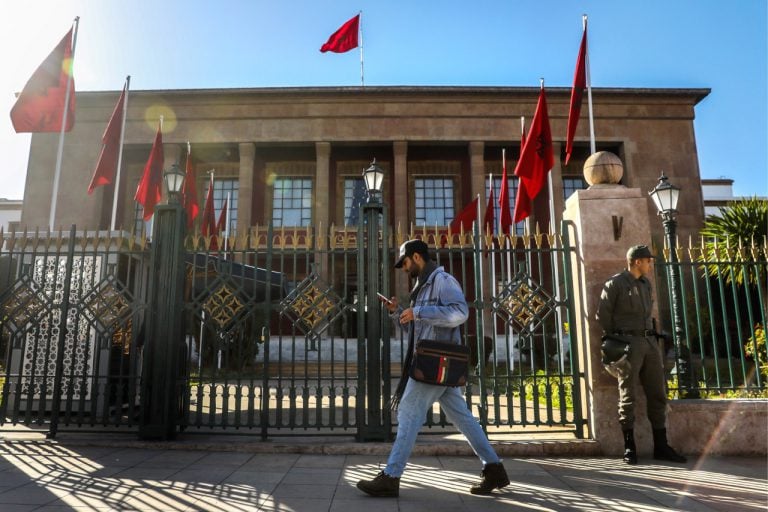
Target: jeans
[(417, 399)]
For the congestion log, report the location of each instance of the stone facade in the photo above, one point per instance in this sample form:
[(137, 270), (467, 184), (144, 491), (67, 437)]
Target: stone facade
[(253, 135)]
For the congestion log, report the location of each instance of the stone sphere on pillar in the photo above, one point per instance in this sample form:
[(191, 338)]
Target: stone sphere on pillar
[(603, 168)]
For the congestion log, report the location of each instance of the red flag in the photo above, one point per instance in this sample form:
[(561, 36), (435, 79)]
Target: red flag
[(106, 167), (506, 217), (40, 106), (189, 192), (343, 39), (209, 227), (221, 224), (465, 218), (149, 191), (577, 93), (536, 160), (489, 217)]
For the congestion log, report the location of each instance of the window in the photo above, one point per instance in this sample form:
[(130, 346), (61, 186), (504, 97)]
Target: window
[(434, 201), (354, 196), (223, 189), (572, 184), (292, 202), (512, 192)]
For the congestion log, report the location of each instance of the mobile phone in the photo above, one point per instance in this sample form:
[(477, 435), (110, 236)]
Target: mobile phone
[(383, 298)]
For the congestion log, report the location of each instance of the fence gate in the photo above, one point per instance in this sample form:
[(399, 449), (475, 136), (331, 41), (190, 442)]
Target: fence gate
[(274, 336)]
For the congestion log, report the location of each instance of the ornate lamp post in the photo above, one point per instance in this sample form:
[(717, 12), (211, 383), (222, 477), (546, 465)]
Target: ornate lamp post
[(161, 384), (174, 178), (375, 424), (665, 197)]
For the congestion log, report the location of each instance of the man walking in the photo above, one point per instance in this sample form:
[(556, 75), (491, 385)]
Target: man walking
[(437, 309), (625, 310)]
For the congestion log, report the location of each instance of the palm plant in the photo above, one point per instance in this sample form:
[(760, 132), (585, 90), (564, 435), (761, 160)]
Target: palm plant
[(738, 235), (736, 245)]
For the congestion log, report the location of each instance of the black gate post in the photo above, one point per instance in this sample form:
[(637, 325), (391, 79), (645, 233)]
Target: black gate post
[(373, 349), (164, 334)]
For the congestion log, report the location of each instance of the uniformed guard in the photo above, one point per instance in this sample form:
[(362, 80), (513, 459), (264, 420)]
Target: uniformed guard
[(624, 313)]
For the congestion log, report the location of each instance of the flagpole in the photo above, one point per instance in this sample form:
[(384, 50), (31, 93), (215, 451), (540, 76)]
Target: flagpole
[(60, 152), (227, 221), (120, 155), (592, 148), (362, 76)]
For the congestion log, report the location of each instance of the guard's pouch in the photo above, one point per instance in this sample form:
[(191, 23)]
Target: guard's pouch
[(614, 347)]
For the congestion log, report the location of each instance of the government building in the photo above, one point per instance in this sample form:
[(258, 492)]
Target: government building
[(295, 156)]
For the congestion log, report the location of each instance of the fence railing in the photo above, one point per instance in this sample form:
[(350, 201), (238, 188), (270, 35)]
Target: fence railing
[(723, 289)]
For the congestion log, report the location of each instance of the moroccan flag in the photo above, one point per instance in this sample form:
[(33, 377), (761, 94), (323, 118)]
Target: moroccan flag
[(149, 191), (489, 217), (209, 227), (221, 224), (40, 105), (343, 39), (106, 167), (189, 191), (536, 160), (577, 93), (505, 215), (465, 218)]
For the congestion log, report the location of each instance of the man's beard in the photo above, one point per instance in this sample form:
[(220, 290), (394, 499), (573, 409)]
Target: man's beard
[(414, 272)]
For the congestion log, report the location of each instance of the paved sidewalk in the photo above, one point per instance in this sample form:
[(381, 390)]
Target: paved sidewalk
[(43, 475)]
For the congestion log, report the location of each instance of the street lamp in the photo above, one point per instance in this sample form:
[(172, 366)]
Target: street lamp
[(373, 177), (174, 179), (665, 197), (373, 355)]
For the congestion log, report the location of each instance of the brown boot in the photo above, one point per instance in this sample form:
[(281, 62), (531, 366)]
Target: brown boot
[(383, 486), (662, 450), (494, 477)]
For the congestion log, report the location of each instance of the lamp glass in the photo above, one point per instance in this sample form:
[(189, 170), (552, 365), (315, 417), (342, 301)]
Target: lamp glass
[(374, 178), (665, 196), (174, 178)]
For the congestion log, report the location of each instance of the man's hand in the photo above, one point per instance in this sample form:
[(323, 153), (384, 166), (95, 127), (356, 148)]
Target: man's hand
[(406, 316), (390, 304)]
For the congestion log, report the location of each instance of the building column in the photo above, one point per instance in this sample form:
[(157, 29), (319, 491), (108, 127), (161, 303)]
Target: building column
[(247, 152), (400, 198), (322, 184), (400, 201), (477, 169), (557, 188)]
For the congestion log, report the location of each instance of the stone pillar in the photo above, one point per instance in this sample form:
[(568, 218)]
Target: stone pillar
[(401, 222), (608, 219), (247, 152), (477, 169), (322, 184)]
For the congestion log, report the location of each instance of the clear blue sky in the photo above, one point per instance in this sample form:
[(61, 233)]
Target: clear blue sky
[(717, 44)]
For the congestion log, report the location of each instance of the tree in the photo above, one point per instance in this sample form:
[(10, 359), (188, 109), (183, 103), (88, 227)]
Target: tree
[(736, 245)]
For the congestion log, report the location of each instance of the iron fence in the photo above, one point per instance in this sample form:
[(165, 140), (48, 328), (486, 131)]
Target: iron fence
[(723, 287)]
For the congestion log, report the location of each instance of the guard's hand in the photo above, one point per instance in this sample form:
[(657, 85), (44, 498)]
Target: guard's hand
[(406, 316)]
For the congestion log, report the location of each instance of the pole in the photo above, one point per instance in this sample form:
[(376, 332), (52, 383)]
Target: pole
[(556, 271), (120, 155), (60, 151), (592, 149), (362, 76), (687, 386)]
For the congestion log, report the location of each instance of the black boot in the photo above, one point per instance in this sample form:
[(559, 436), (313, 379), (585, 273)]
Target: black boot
[(630, 451), (383, 486), (494, 477), (662, 450)]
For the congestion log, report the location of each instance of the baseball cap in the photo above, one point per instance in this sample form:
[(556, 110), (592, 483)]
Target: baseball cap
[(411, 247), (639, 251)]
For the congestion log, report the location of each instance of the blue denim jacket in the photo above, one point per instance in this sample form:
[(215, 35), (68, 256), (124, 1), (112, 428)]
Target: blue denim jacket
[(440, 307)]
